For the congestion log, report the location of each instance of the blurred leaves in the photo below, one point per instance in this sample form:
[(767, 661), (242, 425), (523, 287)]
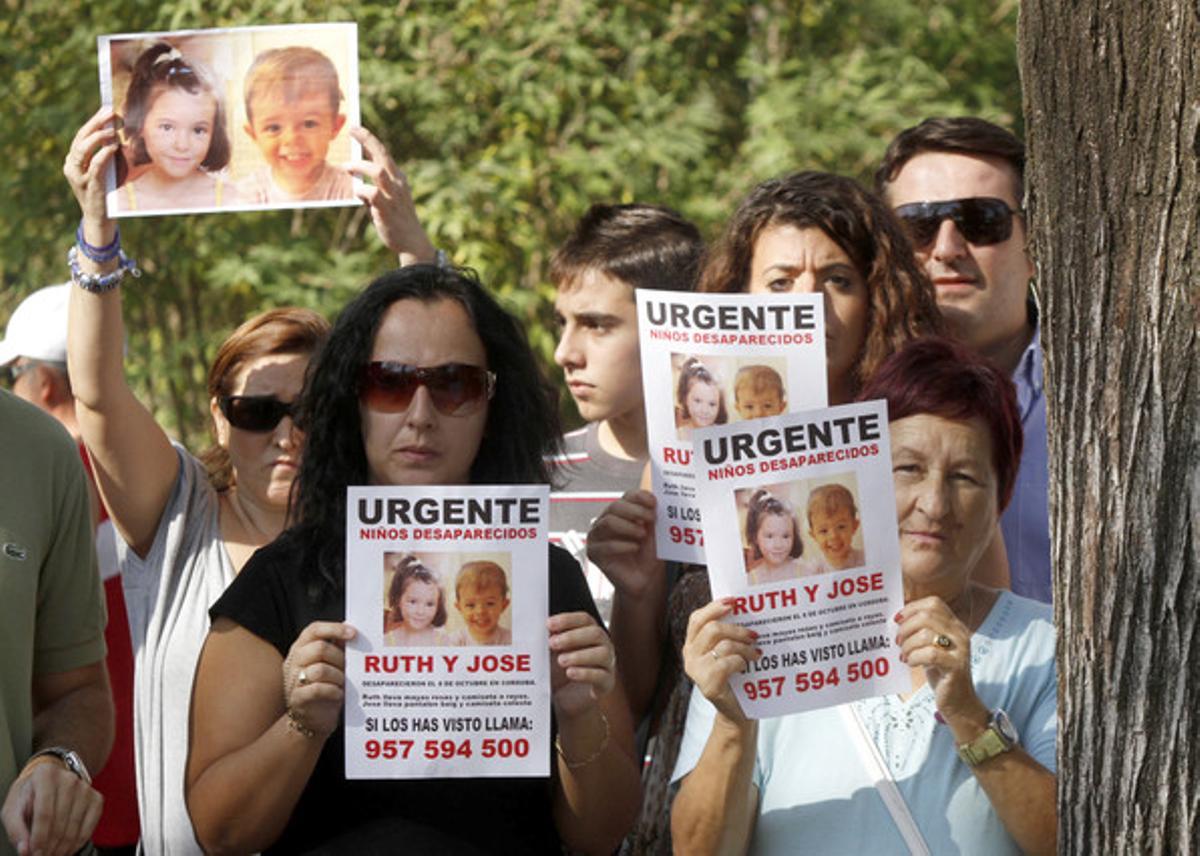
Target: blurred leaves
[(509, 119)]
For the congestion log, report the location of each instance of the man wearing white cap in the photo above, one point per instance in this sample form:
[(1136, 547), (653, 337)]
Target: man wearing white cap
[(33, 354)]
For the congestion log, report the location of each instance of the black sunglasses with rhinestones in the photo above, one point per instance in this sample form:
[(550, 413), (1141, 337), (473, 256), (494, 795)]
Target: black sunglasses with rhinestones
[(258, 413), (455, 389), (982, 220)]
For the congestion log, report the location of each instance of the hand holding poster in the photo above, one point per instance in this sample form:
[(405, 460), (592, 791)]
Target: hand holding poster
[(801, 531), (717, 359), (449, 674), (231, 119)]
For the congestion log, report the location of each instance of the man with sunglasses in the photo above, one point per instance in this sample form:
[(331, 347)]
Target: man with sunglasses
[(33, 356), (957, 185)]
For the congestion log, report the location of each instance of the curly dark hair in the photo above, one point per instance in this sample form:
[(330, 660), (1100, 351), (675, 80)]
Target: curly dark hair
[(522, 423), (901, 303), (162, 66)]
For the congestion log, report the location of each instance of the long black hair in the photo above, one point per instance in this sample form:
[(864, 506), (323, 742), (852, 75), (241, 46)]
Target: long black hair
[(522, 424)]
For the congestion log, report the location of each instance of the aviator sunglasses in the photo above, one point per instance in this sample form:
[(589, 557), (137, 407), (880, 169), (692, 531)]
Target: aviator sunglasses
[(982, 220), (258, 413), (455, 389)]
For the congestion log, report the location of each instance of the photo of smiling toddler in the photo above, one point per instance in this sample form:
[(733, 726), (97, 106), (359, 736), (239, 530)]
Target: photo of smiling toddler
[(293, 110), (832, 524), (416, 604), (481, 597)]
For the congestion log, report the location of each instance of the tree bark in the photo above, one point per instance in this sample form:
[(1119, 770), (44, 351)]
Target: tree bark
[(1112, 107)]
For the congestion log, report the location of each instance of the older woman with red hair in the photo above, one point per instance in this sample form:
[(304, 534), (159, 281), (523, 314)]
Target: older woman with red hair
[(962, 763)]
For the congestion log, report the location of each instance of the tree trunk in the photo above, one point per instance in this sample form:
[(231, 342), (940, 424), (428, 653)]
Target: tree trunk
[(1112, 111)]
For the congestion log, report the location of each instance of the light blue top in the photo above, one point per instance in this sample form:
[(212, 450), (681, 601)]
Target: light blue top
[(1026, 521), (816, 796)]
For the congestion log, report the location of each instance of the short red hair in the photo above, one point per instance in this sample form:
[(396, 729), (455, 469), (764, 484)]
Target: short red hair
[(945, 378)]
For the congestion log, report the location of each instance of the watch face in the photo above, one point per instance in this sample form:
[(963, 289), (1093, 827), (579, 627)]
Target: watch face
[(1005, 727)]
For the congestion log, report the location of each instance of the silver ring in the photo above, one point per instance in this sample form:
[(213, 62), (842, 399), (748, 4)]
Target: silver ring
[(943, 641), (714, 653), (302, 678)]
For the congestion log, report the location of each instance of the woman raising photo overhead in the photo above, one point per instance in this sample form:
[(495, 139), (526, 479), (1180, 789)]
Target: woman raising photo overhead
[(186, 525), (424, 381)]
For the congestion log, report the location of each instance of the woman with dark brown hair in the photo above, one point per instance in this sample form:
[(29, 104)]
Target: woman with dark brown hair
[(820, 233), (809, 232)]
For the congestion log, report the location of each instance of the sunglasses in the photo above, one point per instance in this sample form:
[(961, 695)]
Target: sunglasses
[(982, 220), (258, 413), (455, 389)]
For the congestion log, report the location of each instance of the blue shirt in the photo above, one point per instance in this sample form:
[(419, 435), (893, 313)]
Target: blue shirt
[(816, 796), (1026, 521)]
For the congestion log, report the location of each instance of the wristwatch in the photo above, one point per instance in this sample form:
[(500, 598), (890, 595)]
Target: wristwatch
[(999, 737), (71, 759)]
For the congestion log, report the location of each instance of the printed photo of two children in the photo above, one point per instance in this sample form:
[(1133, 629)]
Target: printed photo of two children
[(800, 528), (231, 120), (435, 599), (715, 390)]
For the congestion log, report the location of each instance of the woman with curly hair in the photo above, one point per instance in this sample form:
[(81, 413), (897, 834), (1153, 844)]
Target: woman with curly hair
[(425, 380), (810, 232), (815, 232)]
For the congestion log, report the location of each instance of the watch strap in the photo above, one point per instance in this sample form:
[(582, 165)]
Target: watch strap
[(992, 742), (70, 759)]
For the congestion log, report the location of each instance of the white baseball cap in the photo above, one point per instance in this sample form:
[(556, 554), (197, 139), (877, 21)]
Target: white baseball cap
[(37, 329)]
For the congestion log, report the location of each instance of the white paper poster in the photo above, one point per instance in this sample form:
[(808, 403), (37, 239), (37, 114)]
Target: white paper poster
[(801, 524), (449, 675), (718, 359)]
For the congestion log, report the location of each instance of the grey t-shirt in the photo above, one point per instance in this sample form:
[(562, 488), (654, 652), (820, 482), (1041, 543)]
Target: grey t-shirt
[(590, 479), (167, 595)]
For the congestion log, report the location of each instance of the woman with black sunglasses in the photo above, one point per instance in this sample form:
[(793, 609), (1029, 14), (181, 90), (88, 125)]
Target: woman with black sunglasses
[(424, 381), (187, 527)]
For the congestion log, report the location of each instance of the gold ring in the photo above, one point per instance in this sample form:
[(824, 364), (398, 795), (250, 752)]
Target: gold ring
[(302, 678), (943, 641)]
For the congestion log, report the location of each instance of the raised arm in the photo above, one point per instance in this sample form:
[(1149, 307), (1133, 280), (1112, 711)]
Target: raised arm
[(621, 544), (390, 200), (716, 805), (134, 463), (249, 759)]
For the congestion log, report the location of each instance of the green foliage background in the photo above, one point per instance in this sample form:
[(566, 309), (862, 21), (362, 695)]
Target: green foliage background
[(510, 117)]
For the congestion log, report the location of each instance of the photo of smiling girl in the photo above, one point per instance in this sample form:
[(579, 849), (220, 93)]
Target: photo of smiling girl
[(699, 398), (175, 140), (416, 604), (774, 547)]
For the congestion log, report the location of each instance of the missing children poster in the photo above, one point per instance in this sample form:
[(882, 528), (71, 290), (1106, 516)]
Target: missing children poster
[(718, 359), (801, 527), (449, 675)]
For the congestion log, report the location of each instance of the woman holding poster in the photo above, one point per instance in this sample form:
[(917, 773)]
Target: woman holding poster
[(425, 381), (965, 762), (810, 232), (187, 525)]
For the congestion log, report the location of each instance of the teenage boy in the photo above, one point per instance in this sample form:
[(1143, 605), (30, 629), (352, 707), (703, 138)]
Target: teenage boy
[(957, 184), (614, 250)]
